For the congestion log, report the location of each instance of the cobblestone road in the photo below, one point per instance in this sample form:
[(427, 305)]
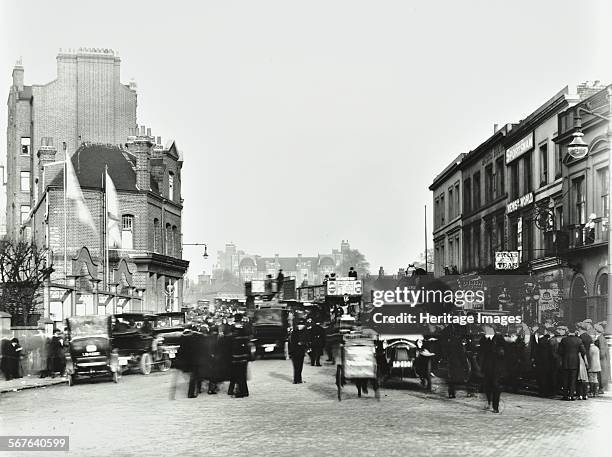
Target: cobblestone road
[(136, 417)]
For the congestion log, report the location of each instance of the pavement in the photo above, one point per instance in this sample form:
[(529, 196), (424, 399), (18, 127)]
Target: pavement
[(30, 382), (136, 417)]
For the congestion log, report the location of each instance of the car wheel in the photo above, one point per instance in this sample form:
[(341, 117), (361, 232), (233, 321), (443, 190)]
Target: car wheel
[(165, 363), (145, 363)]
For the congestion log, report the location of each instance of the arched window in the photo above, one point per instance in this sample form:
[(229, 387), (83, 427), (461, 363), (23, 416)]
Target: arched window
[(156, 235), (127, 231), (175, 241), (170, 186), (167, 245)]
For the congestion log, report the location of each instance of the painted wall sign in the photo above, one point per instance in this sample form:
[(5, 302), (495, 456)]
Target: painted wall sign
[(520, 148)]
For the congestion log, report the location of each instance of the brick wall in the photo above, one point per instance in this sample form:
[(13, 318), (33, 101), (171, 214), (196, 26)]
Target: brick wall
[(86, 99)]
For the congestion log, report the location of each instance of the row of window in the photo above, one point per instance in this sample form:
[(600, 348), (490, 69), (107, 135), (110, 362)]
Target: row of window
[(172, 239), (495, 184), (521, 230)]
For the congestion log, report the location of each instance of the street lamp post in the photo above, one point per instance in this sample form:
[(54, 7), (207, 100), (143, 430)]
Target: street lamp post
[(205, 255)]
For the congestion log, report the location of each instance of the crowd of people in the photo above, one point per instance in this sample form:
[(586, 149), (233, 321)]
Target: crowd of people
[(571, 365), (216, 349), (38, 355)]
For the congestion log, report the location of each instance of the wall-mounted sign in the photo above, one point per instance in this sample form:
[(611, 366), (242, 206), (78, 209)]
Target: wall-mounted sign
[(519, 203), (474, 284), (549, 299), (506, 260), (519, 236), (520, 148)]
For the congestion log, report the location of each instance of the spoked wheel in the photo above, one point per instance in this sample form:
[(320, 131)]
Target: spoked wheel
[(165, 363), (145, 363), (339, 381)]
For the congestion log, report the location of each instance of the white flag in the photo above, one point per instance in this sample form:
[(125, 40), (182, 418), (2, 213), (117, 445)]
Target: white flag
[(113, 229), (74, 193)]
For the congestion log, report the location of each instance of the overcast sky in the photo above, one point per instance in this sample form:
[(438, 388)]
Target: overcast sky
[(305, 123)]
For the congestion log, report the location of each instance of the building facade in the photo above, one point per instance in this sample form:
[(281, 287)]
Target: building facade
[(523, 193), (448, 208), (147, 260), (85, 103)]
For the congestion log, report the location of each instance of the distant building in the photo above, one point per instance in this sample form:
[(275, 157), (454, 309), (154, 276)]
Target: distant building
[(249, 266)]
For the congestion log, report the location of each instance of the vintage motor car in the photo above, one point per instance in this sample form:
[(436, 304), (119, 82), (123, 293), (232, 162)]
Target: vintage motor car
[(271, 331), (401, 355), (90, 349), (169, 327), (138, 345)]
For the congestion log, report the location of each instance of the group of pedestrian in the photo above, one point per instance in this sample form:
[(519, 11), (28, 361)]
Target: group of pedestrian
[(306, 337), (575, 365), (38, 355), (216, 353)]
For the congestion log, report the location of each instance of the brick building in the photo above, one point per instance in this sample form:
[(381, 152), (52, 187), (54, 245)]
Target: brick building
[(522, 192), (85, 103), (147, 177)]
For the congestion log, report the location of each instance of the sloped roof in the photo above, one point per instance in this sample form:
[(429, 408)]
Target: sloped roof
[(89, 162)]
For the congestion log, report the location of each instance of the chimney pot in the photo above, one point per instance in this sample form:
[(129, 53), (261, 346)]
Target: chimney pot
[(142, 130), (149, 131), (495, 128)]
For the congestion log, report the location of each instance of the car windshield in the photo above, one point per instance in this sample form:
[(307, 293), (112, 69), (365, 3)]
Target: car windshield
[(88, 326), (169, 321), (126, 323), (268, 317)]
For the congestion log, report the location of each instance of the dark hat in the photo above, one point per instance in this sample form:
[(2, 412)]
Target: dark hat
[(238, 317)]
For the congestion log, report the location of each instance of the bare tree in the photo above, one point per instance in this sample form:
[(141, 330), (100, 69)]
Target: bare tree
[(23, 268)]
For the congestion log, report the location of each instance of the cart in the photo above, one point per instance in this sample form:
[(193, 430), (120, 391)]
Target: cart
[(358, 363)]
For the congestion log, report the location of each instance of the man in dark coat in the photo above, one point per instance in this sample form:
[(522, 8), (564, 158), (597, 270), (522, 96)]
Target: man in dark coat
[(191, 358), (280, 279), (316, 342), (543, 360), (454, 352), (57, 357), (570, 349), (515, 350), (240, 358), (492, 352), (298, 342), (11, 356), (352, 273)]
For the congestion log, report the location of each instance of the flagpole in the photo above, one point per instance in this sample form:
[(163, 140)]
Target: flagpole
[(104, 230), (65, 215)]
